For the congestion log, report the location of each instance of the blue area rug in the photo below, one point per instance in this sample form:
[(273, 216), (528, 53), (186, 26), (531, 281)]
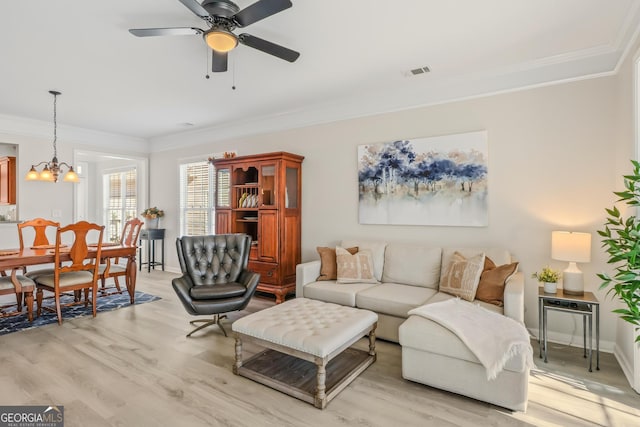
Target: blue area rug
[(106, 303)]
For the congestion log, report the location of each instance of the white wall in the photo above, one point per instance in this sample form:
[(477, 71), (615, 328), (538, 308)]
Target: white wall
[(627, 351), (553, 161)]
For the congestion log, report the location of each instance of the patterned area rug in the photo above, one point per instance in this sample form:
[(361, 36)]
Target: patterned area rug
[(106, 303)]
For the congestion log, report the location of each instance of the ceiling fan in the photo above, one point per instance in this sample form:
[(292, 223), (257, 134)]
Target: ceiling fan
[(222, 17)]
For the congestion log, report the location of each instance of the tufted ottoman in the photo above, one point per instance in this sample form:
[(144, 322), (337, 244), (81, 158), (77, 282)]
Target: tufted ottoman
[(301, 337)]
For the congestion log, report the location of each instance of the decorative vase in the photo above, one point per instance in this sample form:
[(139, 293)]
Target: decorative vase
[(151, 222), (550, 287)]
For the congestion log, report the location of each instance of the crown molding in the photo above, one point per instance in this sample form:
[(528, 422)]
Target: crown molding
[(24, 128)]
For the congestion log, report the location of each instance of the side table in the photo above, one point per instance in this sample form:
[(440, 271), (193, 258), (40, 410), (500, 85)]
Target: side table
[(151, 235), (584, 305)]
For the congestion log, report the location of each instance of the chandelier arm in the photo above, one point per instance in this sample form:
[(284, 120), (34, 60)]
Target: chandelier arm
[(41, 163)]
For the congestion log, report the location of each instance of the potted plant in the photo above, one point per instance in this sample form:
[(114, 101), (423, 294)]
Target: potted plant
[(152, 216), (549, 277), (621, 240)]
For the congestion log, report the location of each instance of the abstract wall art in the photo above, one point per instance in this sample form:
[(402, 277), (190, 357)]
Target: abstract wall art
[(438, 180)]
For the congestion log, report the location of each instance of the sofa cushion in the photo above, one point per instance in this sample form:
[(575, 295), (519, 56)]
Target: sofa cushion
[(492, 281), (393, 298), (426, 335), (377, 253), (354, 268), (338, 293), (461, 276), (412, 265), (328, 266)]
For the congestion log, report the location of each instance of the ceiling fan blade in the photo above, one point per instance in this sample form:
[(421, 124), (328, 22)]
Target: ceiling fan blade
[(152, 32), (260, 10), (196, 8), (268, 47), (219, 62)]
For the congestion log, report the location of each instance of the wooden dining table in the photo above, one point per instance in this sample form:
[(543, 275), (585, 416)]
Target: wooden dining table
[(38, 256)]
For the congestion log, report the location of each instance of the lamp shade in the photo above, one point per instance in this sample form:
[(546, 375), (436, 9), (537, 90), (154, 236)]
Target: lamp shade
[(571, 246)]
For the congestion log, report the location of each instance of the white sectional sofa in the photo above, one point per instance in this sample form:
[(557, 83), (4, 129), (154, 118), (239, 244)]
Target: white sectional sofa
[(409, 277)]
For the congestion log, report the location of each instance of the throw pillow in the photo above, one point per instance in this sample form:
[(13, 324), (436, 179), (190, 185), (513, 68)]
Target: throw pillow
[(356, 268), (462, 276), (328, 268), (377, 253), (492, 281)]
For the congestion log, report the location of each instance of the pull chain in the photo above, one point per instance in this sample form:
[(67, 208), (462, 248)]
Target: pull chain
[(206, 61), (233, 76)]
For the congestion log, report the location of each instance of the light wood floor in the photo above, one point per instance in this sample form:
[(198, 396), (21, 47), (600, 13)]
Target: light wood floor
[(135, 367)]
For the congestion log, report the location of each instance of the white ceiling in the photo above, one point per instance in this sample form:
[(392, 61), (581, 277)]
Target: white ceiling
[(354, 59)]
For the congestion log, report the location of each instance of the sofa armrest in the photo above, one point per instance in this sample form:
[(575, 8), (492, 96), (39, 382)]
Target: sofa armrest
[(514, 297), (306, 273)]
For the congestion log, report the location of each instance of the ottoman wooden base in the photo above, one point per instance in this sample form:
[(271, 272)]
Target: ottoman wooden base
[(297, 377)]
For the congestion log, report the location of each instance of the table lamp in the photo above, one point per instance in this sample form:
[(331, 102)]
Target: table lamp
[(573, 247)]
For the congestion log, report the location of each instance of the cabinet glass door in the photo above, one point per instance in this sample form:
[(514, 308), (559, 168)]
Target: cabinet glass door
[(223, 188), (268, 185), (291, 188)]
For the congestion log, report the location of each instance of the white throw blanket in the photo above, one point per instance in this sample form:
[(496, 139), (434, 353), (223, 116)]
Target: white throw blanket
[(492, 337)]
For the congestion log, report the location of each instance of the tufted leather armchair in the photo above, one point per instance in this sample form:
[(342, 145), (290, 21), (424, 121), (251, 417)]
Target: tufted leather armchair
[(215, 279)]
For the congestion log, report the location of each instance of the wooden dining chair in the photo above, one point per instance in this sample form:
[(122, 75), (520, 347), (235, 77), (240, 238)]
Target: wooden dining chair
[(40, 238), (20, 285), (78, 273), (111, 267), (39, 226)]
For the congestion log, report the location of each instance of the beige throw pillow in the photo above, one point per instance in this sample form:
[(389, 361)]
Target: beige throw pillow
[(328, 268), (492, 281), (356, 268), (462, 276)]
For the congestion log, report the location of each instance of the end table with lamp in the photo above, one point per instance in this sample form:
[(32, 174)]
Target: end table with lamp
[(586, 305)]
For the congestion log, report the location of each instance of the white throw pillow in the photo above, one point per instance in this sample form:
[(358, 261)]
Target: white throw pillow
[(356, 268), (462, 275), (377, 253)]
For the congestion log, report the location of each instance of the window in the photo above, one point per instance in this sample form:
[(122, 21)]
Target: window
[(197, 215), (121, 202)]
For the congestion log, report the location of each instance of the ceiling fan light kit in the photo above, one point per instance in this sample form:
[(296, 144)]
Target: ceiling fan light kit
[(220, 40), (222, 17)]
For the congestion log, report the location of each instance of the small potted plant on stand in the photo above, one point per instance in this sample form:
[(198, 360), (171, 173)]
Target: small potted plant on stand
[(152, 217), (549, 277)]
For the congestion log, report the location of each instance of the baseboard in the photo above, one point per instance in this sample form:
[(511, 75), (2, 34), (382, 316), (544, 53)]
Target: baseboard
[(625, 364), (575, 340)]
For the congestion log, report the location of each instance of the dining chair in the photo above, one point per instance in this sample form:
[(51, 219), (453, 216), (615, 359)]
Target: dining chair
[(39, 228), (79, 272), (20, 285), (111, 266)]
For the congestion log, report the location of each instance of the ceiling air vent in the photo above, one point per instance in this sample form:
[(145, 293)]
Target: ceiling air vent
[(417, 71)]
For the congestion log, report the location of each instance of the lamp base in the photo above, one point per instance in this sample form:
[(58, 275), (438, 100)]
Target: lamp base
[(573, 280)]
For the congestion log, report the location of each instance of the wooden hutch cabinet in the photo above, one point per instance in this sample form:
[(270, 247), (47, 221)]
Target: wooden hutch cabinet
[(260, 195), (7, 180)]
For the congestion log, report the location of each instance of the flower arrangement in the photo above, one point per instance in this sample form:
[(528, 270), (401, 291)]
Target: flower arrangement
[(153, 212), (547, 275)]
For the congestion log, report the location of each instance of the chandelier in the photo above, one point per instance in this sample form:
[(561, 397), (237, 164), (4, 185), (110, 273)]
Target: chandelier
[(52, 169)]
